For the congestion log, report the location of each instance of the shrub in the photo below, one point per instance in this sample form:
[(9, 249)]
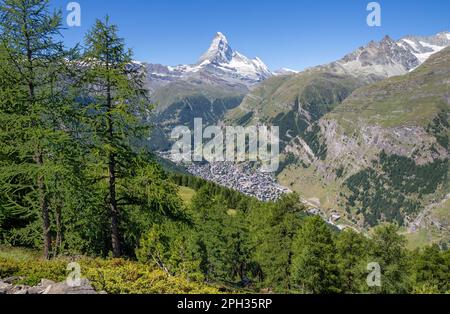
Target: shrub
[(115, 276)]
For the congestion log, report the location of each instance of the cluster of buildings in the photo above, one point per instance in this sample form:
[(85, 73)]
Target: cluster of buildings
[(242, 178)]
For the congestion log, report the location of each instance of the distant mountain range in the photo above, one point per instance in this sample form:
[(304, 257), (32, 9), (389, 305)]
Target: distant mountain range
[(389, 57), (207, 89), (221, 65)]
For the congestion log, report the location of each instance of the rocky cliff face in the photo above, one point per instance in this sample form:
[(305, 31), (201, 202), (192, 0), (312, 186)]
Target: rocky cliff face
[(389, 58)]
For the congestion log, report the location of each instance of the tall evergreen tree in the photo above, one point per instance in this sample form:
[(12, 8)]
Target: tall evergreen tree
[(34, 61), (113, 117), (314, 268), (273, 227), (431, 268), (389, 251), (352, 258), (222, 237)]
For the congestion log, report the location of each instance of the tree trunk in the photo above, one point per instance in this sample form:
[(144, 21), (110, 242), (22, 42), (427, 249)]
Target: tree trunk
[(43, 204), (115, 238), (58, 218), (38, 158), (114, 210)]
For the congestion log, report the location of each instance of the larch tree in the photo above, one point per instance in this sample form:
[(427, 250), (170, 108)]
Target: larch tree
[(34, 61), (116, 105), (314, 268)]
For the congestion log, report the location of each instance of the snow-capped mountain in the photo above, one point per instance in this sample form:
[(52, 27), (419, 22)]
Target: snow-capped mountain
[(390, 58), (424, 47), (219, 65)]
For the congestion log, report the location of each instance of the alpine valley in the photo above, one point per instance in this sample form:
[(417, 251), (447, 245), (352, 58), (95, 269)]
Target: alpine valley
[(364, 139), (93, 199)]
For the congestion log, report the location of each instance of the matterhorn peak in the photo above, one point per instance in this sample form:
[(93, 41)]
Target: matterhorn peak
[(220, 63), (219, 51), (220, 37)]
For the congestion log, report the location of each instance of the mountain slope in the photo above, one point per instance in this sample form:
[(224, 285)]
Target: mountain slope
[(294, 103), (386, 149)]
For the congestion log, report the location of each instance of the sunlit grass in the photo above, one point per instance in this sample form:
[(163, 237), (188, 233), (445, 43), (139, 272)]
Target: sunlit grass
[(18, 254), (186, 194)]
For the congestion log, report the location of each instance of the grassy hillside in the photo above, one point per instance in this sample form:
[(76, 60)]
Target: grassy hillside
[(186, 194), (310, 94)]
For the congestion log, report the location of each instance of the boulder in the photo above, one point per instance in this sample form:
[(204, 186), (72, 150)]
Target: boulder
[(4, 287), (48, 287), (85, 287)]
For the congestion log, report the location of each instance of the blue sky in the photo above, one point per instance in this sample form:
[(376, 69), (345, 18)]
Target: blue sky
[(284, 33)]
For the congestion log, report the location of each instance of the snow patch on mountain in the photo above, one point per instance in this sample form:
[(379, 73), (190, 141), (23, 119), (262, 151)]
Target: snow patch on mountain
[(285, 71)]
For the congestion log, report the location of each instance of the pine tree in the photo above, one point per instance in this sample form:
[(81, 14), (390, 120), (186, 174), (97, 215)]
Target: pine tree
[(34, 62), (273, 227), (314, 268), (221, 237), (389, 251), (116, 104), (352, 258), (431, 269)]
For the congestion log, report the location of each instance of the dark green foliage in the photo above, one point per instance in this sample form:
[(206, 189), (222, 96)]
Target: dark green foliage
[(273, 227), (388, 250), (390, 189), (33, 112), (294, 124), (289, 159), (314, 268), (440, 129), (352, 251), (290, 124), (340, 172), (431, 268), (313, 138), (172, 246), (67, 128), (232, 198), (222, 238), (407, 177)]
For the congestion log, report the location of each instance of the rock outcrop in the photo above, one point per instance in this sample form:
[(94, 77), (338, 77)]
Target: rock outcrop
[(9, 286)]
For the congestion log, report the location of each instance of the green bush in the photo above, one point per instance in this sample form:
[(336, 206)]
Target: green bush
[(115, 276)]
